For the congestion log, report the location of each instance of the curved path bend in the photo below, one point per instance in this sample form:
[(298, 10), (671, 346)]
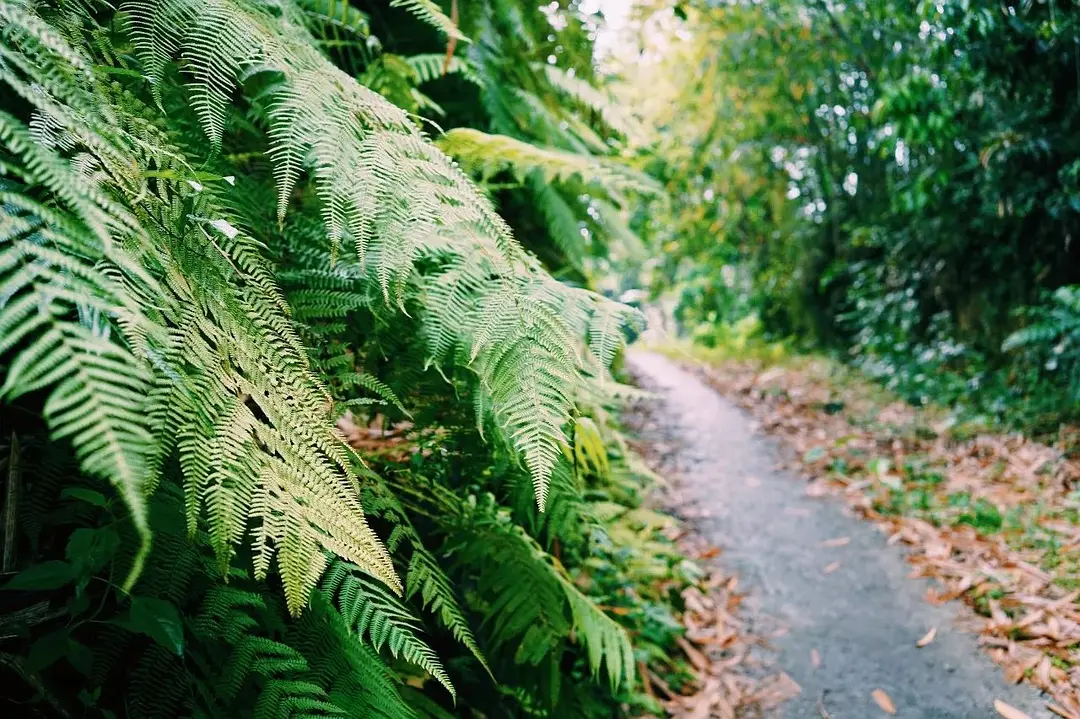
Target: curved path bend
[(861, 617)]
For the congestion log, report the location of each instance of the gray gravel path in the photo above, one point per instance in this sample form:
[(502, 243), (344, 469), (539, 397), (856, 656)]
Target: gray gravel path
[(863, 618)]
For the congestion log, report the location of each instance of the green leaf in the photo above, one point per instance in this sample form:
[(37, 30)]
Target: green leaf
[(48, 650), (79, 603), (81, 657), (84, 495), (47, 575), (89, 550), (159, 620)]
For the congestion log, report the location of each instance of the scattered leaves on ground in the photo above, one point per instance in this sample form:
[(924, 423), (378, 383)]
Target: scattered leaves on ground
[(733, 676), (994, 518), (927, 638), (1009, 712), (884, 701)]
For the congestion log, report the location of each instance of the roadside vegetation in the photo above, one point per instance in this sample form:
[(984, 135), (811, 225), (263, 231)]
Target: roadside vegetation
[(870, 244), (892, 183), (304, 393), (312, 314)]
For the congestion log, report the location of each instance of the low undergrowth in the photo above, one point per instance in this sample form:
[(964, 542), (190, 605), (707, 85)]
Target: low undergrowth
[(640, 566)]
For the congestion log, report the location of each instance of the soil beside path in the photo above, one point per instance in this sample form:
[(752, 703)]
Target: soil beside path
[(849, 615)]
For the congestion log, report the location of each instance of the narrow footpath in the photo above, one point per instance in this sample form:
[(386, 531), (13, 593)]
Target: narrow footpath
[(846, 614)]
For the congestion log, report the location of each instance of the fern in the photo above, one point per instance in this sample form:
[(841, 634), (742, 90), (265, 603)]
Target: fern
[(100, 387), (373, 385), (590, 97), (429, 67), (372, 612), (606, 641), (488, 155), (338, 16), (590, 451), (431, 14), (531, 594), (213, 233), (425, 578), (353, 674), (563, 224), (237, 344)]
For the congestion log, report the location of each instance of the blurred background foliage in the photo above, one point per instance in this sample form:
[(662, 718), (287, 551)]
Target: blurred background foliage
[(895, 182)]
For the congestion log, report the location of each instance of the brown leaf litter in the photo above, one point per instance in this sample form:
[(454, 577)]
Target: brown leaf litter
[(733, 677), (883, 700), (925, 486), (927, 638)]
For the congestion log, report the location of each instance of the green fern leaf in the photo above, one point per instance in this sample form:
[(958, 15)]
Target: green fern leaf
[(428, 579), (433, 15), (372, 612)]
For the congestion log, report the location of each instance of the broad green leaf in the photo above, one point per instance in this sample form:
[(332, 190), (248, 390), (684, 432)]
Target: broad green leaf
[(84, 495), (47, 575), (89, 550), (48, 650), (158, 619)]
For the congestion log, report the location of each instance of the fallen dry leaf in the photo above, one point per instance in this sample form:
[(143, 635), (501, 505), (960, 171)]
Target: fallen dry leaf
[(927, 638), (709, 553), (882, 700), (777, 689), (838, 542), (815, 658), (646, 685), (830, 568), (702, 703), (697, 658), (1061, 711), (1009, 712)]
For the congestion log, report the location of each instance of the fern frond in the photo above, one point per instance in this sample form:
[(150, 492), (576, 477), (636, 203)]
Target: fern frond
[(425, 577), (430, 13), (397, 197), (589, 447), (606, 333), (372, 612), (563, 223), (147, 695), (354, 675), (374, 385), (99, 389), (530, 595), (338, 15), (607, 643), (621, 239), (487, 155), (590, 97), (529, 387), (428, 67)]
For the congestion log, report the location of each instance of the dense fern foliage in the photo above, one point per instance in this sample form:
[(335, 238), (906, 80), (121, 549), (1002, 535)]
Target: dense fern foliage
[(295, 423)]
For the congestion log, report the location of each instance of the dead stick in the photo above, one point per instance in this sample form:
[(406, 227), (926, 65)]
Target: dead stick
[(645, 683), (11, 505)]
